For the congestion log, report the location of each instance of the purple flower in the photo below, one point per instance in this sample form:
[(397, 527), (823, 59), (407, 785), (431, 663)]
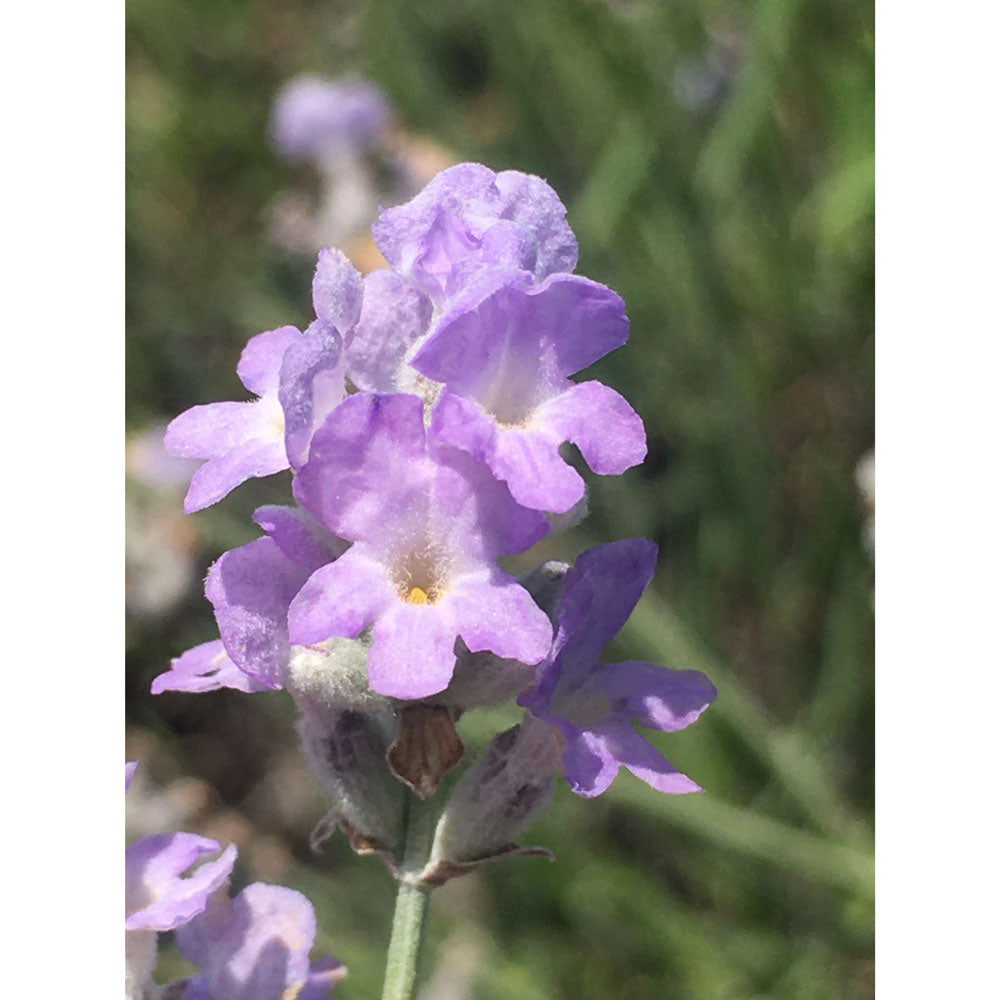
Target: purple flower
[(469, 218), (158, 896), (505, 361), (314, 117), (595, 704), (251, 587), (256, 947), (205, 668), (427, 525), (298, 378), (238, 440)]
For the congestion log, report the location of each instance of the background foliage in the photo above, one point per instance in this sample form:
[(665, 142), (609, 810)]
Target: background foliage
[(717, 160)]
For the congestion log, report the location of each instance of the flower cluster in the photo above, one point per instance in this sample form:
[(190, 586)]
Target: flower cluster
[(254, 946), (424, 415)]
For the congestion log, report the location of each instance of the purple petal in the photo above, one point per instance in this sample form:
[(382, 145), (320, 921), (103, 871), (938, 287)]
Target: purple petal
[(336, 290), (608, 432), (413, 650), (530, 202), (220, 476), (477, 512), (312, 386), (528, 461), (157, 897), (648, 764), (260, 361), (299, 535), (323, 975), (212, 429), (588, 763), (406, 233), (656, 697), (205, 668), (591, 760), (468, 217), (535, 336), (462, 423), (129, 772), (601, 591), (394, 316), (367, 465), (254, 946), (339, 599), (493, 611), (250, 589)]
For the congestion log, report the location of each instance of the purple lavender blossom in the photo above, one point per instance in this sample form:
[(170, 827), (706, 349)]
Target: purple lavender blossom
[(298, 378), (157, 895), (427, 525), (593, 704), (251, 587), (314, 117), (256, 947), (508, 401), (238, 440), (468, 219), (159, 898)]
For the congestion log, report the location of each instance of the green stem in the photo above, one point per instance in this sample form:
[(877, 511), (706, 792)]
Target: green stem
[(411, 903)]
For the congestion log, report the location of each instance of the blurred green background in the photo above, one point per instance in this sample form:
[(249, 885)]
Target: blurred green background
[(717, 161)]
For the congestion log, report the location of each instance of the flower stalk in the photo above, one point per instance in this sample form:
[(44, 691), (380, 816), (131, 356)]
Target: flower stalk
[(411, 902)]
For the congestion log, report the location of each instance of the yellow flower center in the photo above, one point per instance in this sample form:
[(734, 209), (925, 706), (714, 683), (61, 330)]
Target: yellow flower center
[(418, 596)]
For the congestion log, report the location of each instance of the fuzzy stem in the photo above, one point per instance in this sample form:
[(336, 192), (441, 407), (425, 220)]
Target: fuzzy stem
[(411, 903)]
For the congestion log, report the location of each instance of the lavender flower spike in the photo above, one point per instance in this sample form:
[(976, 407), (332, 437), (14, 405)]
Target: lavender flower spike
[(594, 704), (238, 440), (256, 947), (427, 524), (508, 399)]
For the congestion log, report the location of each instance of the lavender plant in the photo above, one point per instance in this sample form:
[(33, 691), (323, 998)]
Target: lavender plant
[(424, 415)]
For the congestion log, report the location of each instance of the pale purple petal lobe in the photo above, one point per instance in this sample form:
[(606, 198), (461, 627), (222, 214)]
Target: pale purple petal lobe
[(250, 588), (608, 432), (339, 599), (158, 896), (413, 652), (260, 361), (336, 290), (205, 668)]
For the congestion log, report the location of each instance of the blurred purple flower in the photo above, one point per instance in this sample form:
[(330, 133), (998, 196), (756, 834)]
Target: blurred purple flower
[(158, 896), (256, 947), (594, 705), (314, 117)]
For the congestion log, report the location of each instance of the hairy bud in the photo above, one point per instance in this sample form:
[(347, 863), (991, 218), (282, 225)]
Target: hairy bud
[(498, 797)]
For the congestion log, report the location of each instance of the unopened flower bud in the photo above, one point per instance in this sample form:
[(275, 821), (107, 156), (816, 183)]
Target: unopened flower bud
[(331, 676), (497, 798), (346, 751)]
